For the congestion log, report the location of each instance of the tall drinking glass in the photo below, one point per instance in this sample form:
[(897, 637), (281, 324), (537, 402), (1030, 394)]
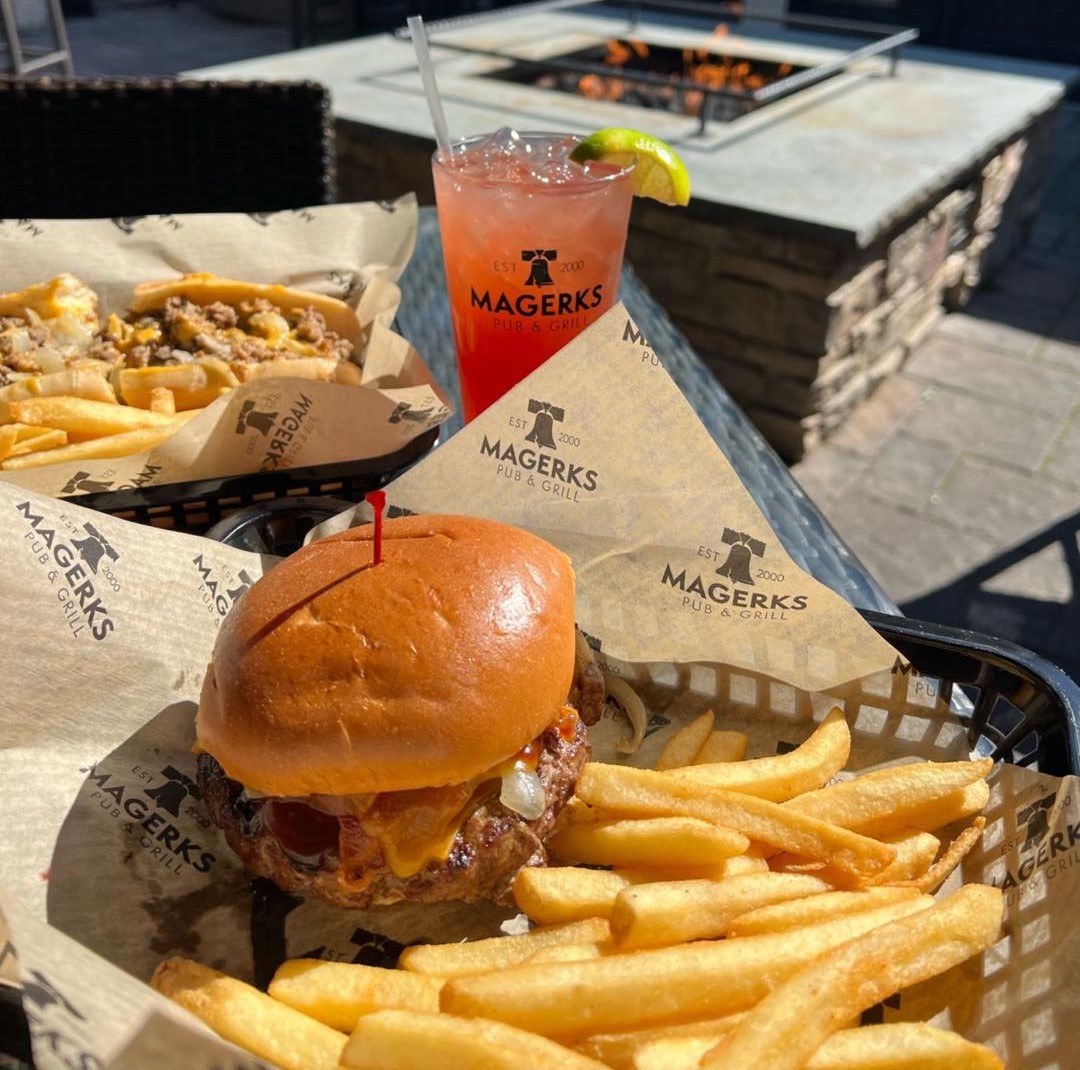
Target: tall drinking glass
[(533, 245)]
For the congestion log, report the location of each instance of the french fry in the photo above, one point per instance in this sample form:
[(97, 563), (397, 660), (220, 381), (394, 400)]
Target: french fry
[(658, 915), (683, 983), (83, 417), (674, 1053), (656, 841), (723, 746), (617, 1050), (163, 401), (575, 812), (896, 1046), (783, 776), (891, 798), (42, 438), (785, 1029), (8, 438), (193, 386), (338, 993), (937, 814), (812, 910), (915, 854), (939, 872), (684, 745), (250, 1018), (550, 895), (751, 862), (566, 953), (642, 792), (901, 1046), (499, 952), (75, 382), (121, 445), (408, 1040)]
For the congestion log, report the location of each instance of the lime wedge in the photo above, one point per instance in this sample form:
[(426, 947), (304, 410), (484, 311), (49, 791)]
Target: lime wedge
[(658, 171)]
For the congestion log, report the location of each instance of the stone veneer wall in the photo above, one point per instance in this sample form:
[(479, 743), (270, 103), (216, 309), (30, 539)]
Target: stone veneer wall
[(799, 329)]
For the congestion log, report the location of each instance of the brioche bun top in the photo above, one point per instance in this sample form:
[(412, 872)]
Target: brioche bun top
[(336, 676)]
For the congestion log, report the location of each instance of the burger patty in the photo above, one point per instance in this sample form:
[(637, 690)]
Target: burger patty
[(492, 843)]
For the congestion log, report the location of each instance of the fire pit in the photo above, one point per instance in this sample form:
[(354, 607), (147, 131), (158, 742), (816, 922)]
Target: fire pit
[(828, 228), (688, 81)]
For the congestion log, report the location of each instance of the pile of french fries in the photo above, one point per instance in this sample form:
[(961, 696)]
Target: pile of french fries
[(751, 912), (51, 429)]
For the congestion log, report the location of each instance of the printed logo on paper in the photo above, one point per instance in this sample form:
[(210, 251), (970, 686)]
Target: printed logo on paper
[(427, 415), (372, 949), (274, 431), (741, 558), (637, 338), (220, 586), (1039, 851), (54, 1019), (152, 809), (252, 416), (85, 483), (99, 482), (128, 223), (546, 417), (531, 460), (920, 684), (744, 548), (77, 561)]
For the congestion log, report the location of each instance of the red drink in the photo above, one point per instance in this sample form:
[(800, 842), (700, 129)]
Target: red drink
[(533, 245)]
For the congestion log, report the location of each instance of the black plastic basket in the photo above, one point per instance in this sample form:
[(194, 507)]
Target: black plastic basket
[(196, 506), (1018, 707)]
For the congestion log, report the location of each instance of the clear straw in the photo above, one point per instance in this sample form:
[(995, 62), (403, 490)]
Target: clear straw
[(427, 73)]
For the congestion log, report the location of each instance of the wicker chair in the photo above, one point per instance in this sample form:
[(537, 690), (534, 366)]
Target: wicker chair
[(108, 148)]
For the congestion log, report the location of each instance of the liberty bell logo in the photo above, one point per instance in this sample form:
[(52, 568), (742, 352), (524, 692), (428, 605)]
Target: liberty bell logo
[(250, 416), (547, 416), (538, 260), (94, 547), (81, 483), (743, 549)]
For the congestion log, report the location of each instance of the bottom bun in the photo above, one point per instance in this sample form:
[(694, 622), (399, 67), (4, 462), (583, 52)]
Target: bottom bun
[(492, 845)]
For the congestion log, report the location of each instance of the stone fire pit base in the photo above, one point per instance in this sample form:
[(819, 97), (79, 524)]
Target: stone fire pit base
[(800, 330)]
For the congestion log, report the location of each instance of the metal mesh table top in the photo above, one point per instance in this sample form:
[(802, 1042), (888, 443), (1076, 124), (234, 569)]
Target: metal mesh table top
[(424, 319)]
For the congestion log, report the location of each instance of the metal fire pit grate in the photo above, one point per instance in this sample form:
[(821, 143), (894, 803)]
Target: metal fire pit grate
[(722, 102)]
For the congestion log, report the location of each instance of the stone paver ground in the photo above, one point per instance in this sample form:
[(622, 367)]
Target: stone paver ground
[(958, 483)]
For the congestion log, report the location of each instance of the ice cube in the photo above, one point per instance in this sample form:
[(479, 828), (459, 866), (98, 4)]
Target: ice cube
[(508, 141)]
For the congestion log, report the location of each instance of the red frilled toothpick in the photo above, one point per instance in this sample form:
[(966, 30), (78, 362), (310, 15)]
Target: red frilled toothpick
[(377, 500)]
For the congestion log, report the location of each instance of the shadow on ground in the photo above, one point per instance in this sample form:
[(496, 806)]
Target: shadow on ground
[(1047, 626)]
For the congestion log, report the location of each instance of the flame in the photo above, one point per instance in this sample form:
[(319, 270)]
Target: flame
[(699, 65), (591, 86)]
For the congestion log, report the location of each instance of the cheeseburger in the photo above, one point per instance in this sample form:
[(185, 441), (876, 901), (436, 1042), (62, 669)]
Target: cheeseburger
[(369, 733)]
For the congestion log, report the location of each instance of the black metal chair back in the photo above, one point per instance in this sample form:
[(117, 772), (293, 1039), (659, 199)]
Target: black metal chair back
[(108, 148)]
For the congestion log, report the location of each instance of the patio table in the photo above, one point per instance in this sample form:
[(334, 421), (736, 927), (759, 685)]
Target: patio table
[(424, 318)]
